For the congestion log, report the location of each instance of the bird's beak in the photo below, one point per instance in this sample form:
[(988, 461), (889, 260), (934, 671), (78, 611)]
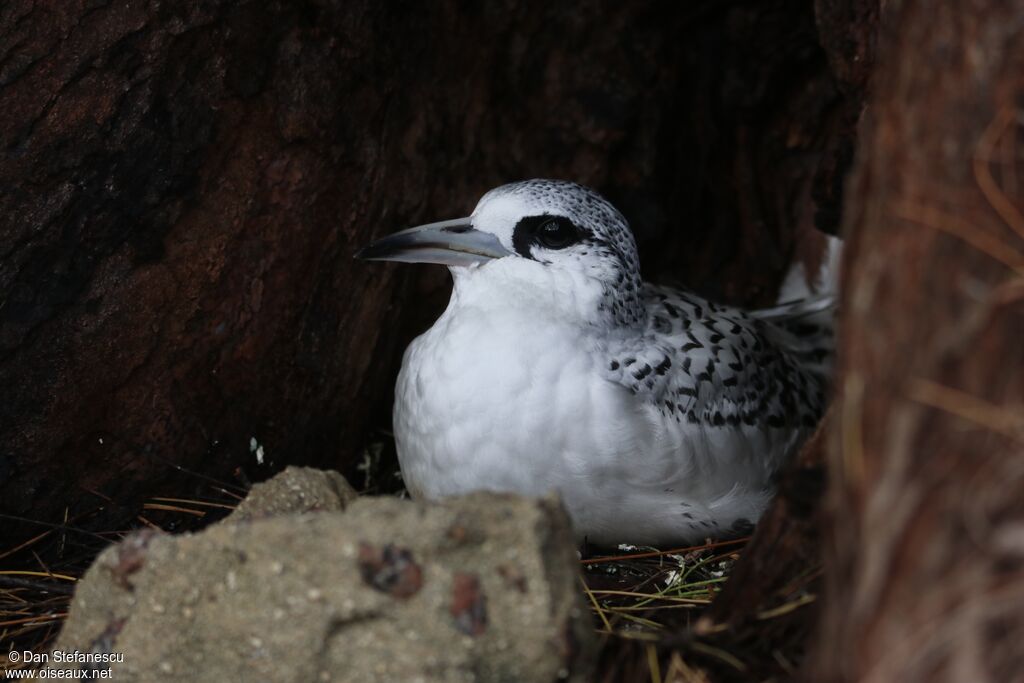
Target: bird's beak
[(451, 243)]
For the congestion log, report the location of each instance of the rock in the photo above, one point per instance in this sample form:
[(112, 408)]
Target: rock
[(481, 588), (296, 489)]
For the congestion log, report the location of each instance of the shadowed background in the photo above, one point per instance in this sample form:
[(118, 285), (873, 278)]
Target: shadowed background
[(182, 191)]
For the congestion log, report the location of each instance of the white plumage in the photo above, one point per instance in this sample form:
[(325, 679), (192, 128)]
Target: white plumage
[(658, 416)]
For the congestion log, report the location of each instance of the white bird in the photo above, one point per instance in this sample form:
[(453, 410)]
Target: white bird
[(658, 416)]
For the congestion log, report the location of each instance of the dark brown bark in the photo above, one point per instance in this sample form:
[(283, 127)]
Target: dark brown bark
[(925, 562), (183, 186), (848, 32)]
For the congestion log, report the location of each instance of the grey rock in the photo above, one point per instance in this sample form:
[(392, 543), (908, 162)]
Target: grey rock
[(296, 489), (481, 588)]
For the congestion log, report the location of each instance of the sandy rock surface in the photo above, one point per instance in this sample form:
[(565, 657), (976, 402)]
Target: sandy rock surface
[(296, 489), (481, 588)]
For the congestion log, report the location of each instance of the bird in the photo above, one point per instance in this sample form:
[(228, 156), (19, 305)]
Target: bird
[(659, 417)]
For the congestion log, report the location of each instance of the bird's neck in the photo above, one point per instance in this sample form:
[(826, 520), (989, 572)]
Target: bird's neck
[(542, 293)]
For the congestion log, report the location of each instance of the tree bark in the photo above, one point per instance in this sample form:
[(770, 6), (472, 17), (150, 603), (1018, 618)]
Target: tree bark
[(925, 558), (183, 186)]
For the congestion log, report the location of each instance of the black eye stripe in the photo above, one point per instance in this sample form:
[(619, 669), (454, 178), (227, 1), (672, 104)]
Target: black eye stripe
[(545, 231)]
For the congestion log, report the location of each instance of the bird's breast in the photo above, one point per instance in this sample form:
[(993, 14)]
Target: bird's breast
[(502, 401)]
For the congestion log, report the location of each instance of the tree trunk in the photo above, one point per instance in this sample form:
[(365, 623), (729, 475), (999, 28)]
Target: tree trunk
[(925, 562), (183, 186)]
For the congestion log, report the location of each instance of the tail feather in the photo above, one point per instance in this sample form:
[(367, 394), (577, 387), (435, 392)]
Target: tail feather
[(797, 286), (804, 317)]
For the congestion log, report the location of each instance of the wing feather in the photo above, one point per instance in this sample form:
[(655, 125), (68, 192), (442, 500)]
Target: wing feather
[(704, 363)]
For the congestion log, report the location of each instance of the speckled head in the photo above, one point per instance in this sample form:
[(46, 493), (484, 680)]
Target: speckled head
[(536, 229), (546, 219)]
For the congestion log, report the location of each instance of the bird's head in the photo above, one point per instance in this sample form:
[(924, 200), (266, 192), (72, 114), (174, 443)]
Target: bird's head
[(537, 232)]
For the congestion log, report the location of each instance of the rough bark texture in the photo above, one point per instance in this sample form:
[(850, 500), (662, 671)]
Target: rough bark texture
[(848, 32), (183, 185), (925, 567)]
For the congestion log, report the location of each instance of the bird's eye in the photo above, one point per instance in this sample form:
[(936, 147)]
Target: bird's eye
[(557, 233), (545, 231)]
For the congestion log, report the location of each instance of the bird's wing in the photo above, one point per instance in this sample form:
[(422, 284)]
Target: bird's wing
[(700, 362)]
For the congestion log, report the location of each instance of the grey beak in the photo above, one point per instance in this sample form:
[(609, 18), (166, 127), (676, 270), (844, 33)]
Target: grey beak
[(451, 243)]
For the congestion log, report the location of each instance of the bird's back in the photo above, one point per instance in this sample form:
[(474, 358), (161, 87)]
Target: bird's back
[(719, 366)]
